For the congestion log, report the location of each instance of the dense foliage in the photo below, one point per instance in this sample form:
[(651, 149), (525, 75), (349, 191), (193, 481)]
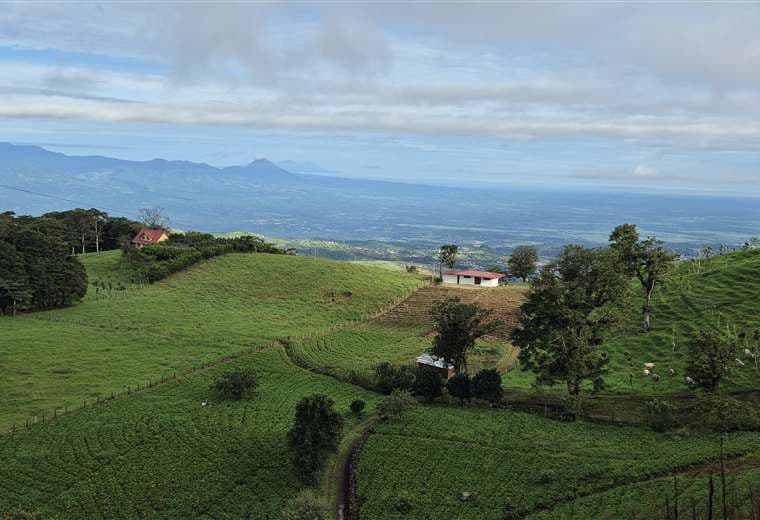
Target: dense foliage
[(522, 262), (314, 435), (458, 326), (427, 383), (236, 383), (308, 505), (157, 261), (459, 387), (389, 377), (570, 304), (393, 406), (712, 357), (37, 270), (486, 385)]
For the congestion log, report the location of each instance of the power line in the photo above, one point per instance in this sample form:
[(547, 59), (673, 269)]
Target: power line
[(79, 202)]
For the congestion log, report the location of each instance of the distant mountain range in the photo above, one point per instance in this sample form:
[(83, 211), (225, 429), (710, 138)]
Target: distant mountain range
[(265, 198)]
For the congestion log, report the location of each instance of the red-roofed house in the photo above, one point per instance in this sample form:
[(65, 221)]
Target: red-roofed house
[(471, 277), (147, 236)]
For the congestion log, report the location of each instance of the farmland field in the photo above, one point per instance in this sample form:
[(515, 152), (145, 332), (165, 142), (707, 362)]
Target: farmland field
[(514, 462), (221, 306), (160, 454)]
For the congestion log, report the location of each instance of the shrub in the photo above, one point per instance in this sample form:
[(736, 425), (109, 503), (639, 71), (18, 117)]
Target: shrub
[(237, 383), (659, 415), (308, 505), (724, 414), (394, 405), (314, 435), (389, 378), (460, 387), (357, 407), (711, 358), (486, 385), (404, 504), (427, 383)]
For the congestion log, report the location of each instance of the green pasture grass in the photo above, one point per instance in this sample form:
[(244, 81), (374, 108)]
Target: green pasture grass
[(224, 305), (512, 462), (107, 267), (161, 454), (721, 293)]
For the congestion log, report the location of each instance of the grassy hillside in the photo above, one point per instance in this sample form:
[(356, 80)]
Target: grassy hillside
[(516, 462), (721, 292), (160, 454), (221, 306)]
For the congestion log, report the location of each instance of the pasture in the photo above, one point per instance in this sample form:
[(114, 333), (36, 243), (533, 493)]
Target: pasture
[(221, 306)]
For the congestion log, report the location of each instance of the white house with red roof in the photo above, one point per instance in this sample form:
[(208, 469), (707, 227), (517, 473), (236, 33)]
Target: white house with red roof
[(147, 236), (472, 277)]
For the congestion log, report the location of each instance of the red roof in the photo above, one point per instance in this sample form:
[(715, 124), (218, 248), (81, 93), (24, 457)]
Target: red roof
[(480, 274), (148, 236)]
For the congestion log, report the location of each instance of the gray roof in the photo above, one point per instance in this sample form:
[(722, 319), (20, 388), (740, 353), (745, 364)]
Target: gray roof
[(433, 361)]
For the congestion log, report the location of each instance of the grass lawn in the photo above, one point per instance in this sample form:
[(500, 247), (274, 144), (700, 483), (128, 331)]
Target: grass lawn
[(514, 462), (225, 305), (160, 454)]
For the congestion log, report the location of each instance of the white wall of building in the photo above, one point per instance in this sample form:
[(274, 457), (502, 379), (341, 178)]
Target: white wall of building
[(465, 280)]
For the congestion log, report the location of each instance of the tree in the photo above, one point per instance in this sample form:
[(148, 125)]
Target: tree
[(447, 255), (236, 383), (646, 260), (711, 359), (459, 387), (486, 385), (427, 383), (153, 217), (522, 262), (314, 435), (569, 305), (389, 377), (394, 405), (458, 326), (357, 407)]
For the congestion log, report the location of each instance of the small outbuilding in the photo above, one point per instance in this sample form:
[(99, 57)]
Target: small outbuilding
[(439, 365), (147, 236), (471, 277)]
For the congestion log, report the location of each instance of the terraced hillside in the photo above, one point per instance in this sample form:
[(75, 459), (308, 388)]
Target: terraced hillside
[(513, 465), (222, 306), (504, 302)]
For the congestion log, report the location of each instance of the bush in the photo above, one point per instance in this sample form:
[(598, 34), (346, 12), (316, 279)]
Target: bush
[(314, 435), (389, 378), (237, 383), (659, 415), (486, 385), (460, 387), (427, 383), (724, 414), (711, 358), (394, 405), (357, 407), (308, 505)]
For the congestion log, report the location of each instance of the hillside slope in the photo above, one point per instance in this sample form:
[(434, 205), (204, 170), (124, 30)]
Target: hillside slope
[(720, 292), (225, 305)]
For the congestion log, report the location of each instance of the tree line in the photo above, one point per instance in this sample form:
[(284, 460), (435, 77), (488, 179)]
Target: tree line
[(37, 270)]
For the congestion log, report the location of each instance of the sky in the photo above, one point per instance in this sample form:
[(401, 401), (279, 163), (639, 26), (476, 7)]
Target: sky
[(660, 96)]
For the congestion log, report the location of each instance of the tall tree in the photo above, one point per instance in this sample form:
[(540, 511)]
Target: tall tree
[(314, 435), (646, 260), (522, 262), (458, 326), (153, 217), (570, 304), (447, 255)]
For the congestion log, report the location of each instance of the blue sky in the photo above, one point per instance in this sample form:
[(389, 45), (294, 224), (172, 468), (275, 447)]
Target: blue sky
[(646, 96)]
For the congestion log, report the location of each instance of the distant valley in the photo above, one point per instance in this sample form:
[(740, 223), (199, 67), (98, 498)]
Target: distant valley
[(363, 218)]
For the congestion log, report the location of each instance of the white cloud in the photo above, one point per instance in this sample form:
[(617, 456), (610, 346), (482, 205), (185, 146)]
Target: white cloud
[(644, 171)]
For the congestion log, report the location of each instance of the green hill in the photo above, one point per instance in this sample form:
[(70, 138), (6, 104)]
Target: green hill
[(222, 306), (720, 292)]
